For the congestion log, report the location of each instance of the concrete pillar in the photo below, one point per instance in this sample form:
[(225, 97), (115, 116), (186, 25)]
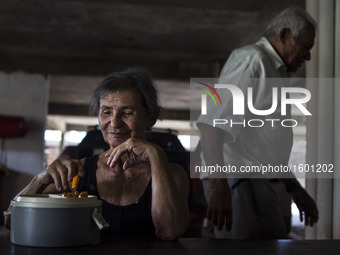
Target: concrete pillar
[(336, 183), (312, 71), (325, 115), (323, 140)]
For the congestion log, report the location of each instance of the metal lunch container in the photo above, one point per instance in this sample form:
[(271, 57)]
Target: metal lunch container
[(48, 220)]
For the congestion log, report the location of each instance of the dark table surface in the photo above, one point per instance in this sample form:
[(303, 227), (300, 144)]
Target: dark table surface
[(197, 246)]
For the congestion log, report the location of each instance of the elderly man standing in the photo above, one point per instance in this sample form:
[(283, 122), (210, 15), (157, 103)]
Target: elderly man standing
[(244, 208)]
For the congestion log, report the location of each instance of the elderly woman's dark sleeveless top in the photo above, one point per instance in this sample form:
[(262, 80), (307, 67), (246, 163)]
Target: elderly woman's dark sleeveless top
[(133, 220)]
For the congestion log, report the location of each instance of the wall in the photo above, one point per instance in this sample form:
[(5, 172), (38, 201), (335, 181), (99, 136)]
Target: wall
[(24, 95), (323, 134)]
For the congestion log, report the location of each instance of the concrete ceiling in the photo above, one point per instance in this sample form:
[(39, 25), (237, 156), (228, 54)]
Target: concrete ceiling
[(77, 42)]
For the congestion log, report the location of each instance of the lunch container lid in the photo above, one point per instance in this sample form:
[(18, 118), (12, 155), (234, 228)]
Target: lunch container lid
[(54, 201)]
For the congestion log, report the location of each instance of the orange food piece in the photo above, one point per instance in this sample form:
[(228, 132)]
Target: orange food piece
[(67, 194), (83, 194), (75, 195)]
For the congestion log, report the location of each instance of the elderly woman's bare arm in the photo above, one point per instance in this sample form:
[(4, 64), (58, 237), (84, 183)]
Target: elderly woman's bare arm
[(55, 178), (170, 186)]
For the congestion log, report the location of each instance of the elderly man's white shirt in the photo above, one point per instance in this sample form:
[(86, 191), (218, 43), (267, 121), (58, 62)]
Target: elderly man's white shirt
[(260, 66)]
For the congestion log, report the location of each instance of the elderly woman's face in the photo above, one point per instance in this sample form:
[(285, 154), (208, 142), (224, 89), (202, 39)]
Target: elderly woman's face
[(122, 116)]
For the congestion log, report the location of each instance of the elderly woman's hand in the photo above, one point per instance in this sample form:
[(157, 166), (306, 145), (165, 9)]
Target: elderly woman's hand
[(60, 172), (137, 152)]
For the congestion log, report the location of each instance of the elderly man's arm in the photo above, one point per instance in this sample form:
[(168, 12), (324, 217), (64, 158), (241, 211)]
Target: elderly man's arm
[(304, 202), (219, 209)]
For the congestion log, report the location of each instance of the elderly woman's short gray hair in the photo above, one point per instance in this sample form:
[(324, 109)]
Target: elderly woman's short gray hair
[(135, 78), (294, 18)]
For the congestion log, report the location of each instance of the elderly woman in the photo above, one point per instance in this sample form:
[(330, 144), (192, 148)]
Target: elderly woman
[(143, 194)]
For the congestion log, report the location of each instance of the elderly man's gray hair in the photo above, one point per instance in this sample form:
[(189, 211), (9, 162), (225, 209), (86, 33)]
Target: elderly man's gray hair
[(294, 18)]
